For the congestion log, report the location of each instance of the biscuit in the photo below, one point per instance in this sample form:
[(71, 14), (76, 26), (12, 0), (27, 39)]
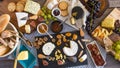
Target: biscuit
[(11, 6), (64, 13), (20, 6), (63, 5), (22, 2)]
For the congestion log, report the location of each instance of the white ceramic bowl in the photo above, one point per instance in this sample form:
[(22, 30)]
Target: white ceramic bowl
[(10, 26), (57, 9), (40, 25)]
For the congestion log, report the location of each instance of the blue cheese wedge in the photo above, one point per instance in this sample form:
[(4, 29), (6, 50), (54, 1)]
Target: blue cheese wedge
[(20, 15), (32, 7)]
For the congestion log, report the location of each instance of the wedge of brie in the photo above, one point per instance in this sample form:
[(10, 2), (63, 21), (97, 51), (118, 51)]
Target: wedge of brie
[(19, 16), (72, 50)]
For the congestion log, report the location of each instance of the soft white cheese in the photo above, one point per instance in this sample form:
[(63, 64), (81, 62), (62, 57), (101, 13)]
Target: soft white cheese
[(20, 15), (32, 7)]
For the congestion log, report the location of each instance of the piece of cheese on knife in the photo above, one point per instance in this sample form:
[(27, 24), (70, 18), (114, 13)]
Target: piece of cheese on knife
[(20, 15)]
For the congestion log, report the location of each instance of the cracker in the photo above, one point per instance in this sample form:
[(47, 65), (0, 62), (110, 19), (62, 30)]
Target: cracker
[(64, 13), (20, 6), (11, 6), (63, 5)]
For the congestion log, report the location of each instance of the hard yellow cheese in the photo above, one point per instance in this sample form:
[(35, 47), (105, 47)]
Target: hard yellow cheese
[(108, 23), (23, 55)]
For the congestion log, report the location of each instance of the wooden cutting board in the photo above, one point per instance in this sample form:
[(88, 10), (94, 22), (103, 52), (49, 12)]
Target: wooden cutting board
[(115, 14)]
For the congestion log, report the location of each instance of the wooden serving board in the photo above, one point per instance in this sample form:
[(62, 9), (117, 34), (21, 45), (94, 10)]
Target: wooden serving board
[(53, 64), (115, 14)]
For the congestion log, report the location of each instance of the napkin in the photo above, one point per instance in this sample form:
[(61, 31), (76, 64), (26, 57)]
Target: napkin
[(30, 63)]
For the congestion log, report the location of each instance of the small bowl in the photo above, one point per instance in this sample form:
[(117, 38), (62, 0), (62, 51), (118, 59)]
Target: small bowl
[(77, 12), (56, 12), (55, 27), (40, 30)]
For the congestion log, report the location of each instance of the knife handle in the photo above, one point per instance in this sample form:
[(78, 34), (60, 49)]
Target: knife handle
[(15, 63)]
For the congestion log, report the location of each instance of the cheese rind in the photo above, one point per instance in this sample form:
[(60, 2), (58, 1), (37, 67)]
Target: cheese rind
[(72, 50), (19, 16), (32, 7)]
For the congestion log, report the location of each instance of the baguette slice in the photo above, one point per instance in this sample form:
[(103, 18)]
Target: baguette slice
[(4, 20)]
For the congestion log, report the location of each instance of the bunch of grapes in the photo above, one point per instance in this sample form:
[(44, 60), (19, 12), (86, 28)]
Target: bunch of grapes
[(95, 8), (46, 14), (116, 48)]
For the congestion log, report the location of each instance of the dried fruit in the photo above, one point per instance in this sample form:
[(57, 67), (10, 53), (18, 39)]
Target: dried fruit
[(45, 63), (61, 62), (75, 36), (68, 34), (59, 36), (59, 42)]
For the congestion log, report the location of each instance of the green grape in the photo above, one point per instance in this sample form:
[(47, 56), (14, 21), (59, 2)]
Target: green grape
[(43, 8), (49, 11), (49, 16), (118, 52), (118, 46), (117, 56), (47, 22), (54, 18), (42, 14), (45, 16)]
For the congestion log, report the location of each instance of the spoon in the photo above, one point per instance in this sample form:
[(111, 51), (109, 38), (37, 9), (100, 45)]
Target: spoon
[(41, 56), (63, 21), (47, 32)]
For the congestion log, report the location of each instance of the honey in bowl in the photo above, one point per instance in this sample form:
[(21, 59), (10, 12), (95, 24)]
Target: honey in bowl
[(42, 28)]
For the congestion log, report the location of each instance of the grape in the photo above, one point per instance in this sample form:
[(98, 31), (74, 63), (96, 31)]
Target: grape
[(45, 17), (49, 16), (47, 22), (42, 14), (117, 56)]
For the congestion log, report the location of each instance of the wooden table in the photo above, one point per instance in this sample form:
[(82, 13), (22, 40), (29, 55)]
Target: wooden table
[(5, 63)]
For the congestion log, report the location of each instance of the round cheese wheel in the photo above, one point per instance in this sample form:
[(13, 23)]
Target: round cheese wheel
[(48, 48), (72, 50)]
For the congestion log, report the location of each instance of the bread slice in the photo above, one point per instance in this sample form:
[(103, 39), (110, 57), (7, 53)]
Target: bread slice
[(108, 23), (4, 20)]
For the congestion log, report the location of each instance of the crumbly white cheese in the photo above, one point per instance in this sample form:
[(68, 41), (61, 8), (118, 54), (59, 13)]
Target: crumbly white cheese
[(32, 7)]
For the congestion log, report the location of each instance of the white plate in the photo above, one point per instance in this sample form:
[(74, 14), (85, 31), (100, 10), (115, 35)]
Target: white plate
[(79, 21)]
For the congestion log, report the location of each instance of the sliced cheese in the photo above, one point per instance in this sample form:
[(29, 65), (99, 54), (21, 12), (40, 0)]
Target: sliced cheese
[(32, 7), (23, 55), (19, 16), (83, 58), (27, 29)]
